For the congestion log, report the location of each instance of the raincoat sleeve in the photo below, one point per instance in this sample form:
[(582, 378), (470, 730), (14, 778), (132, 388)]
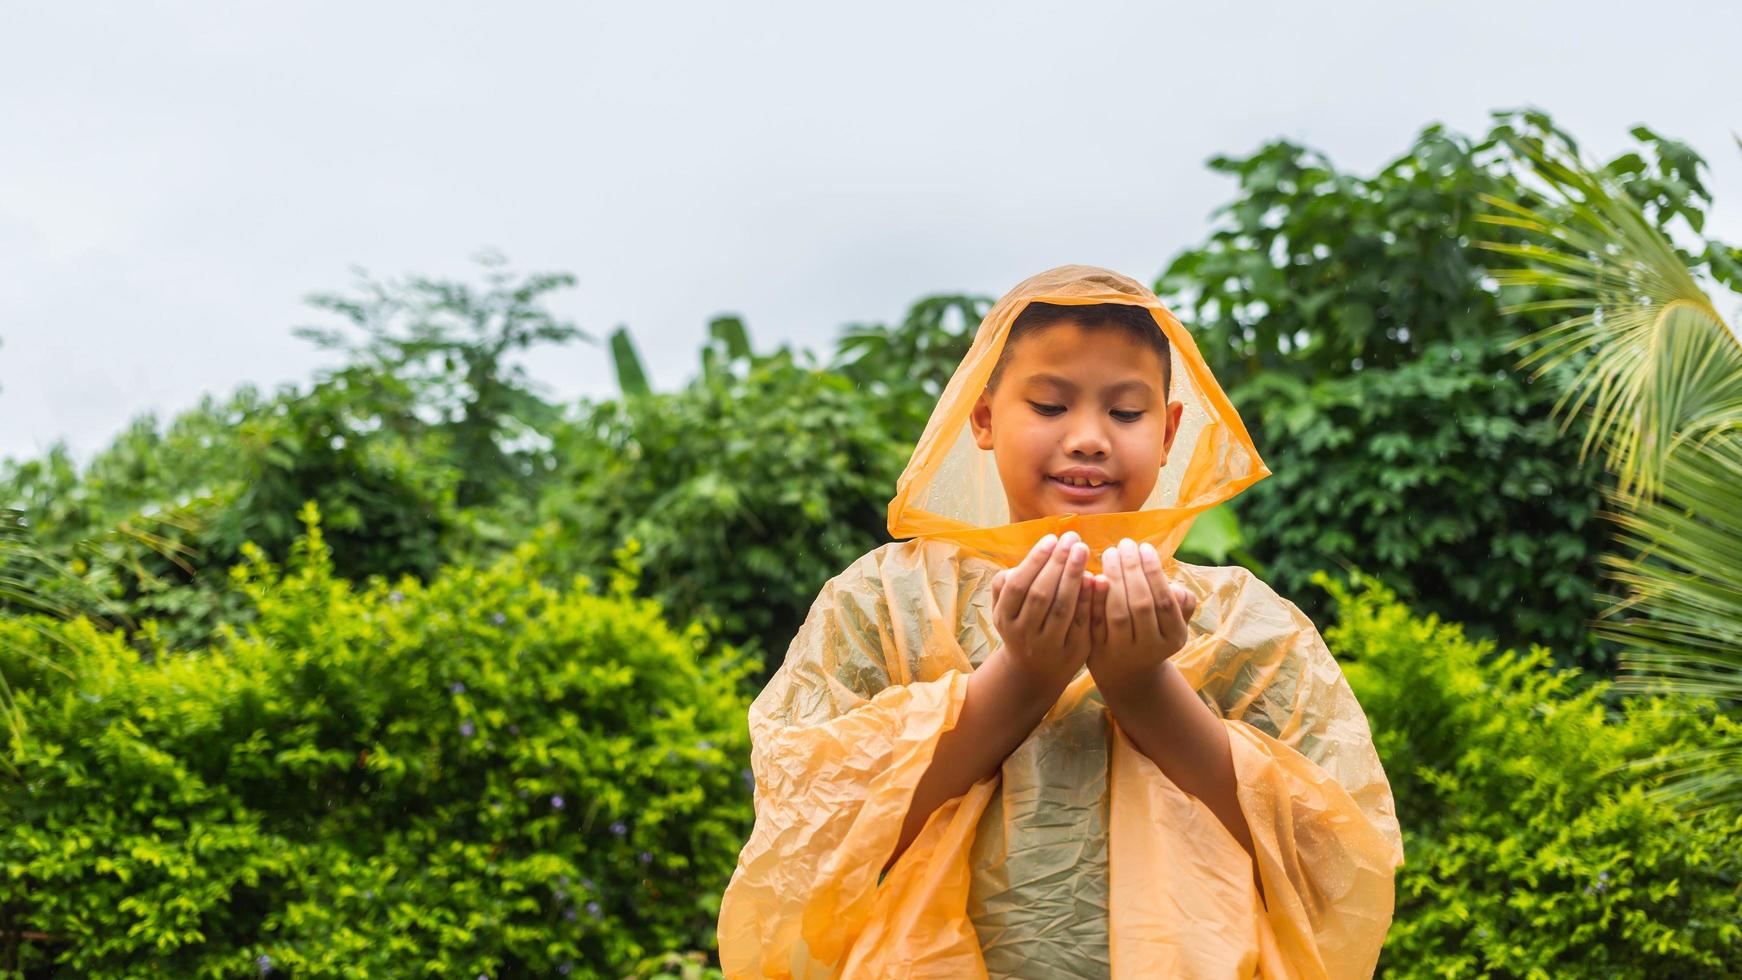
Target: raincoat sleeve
[(839, 739), (1311, 787)]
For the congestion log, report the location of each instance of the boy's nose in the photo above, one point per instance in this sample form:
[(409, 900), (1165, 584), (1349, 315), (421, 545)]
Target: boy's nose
[(1086, 440)]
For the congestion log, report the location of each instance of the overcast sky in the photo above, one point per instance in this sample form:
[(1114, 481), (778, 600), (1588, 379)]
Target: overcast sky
[(175, 178)]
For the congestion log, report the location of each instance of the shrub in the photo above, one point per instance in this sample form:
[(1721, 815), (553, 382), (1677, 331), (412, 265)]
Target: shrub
[(1525, 855), (747, 490), (481, 776), (1446, 479), (1315, 278)]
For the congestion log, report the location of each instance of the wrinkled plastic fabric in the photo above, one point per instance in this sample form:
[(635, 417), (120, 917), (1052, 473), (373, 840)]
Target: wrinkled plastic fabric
[(1079, 858)]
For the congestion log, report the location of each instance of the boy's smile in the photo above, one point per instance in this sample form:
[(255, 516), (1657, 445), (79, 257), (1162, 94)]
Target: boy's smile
[(1079, 421)]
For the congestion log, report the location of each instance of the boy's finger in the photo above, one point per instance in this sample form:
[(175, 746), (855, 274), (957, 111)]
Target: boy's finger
[(1078, 635), (1118, 609), (1169, 620), (1070, 585), (1098, 612), (998, 585), (1139, 596), (1017, 581), (1040, 602)]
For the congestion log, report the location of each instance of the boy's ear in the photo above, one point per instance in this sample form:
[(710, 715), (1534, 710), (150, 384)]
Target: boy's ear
[(1174, 411), (980, 420)]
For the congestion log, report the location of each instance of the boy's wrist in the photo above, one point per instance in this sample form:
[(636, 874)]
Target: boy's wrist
[(1123, 691), (1026, 692)]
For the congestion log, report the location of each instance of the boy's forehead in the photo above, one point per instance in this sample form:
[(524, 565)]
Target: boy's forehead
[(1065, 354)]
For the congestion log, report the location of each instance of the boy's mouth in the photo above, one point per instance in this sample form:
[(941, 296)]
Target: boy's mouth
[(1081, 483)]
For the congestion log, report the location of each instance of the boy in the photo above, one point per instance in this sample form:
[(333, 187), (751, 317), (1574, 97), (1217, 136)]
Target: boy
[(1011, 746)]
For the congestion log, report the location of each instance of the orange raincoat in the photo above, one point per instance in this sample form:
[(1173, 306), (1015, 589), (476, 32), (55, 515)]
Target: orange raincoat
[(1079, 858)]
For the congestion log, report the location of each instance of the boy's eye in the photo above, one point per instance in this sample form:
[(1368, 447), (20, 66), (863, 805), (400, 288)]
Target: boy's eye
[(1127, 416), (1045, 409)]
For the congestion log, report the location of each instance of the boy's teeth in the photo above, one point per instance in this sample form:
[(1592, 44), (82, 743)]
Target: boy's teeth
[(1078, 481)]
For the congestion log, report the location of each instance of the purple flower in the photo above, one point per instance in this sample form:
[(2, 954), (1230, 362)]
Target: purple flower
[(457, 687), (396, 596), (498, 619), (569, 914), (556, 803), (559, 895), (1602, 876), (749, 778), (619, 828), (646, 858), (514, 729), (264, 962), (566, 968), (593, 910), (587, 883), (467, 728), (704, 744)]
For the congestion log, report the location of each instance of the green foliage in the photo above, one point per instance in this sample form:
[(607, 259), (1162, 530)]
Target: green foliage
[(156, 519), (1525, 856), (450, 343), (1447, 479), (747, 490), (1322, 291), (1313, 272), (903, 369), (1662, 388), (483, 775)]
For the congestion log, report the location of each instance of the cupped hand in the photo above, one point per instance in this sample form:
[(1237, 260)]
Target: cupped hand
[(1041, 609), (1138, 617)]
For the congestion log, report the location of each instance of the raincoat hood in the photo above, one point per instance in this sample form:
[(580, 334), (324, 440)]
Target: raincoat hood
[(951, 490)]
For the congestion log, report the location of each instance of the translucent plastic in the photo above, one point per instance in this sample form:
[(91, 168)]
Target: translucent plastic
[(1080, 858)]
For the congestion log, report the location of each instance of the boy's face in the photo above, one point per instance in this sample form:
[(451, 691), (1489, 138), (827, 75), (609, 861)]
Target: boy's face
[(1077, 405)]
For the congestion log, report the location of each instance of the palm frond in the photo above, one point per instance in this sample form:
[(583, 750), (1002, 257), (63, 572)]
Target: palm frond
[(1660, 376), (1664, 369)]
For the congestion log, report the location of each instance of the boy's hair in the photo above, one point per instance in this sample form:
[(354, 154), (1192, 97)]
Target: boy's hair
[(1133, 320)]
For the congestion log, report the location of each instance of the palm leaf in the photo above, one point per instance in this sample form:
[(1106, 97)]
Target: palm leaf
[(1665, 370), (1660, 376)]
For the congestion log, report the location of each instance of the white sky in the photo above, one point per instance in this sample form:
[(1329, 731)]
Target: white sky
[(174, 178)]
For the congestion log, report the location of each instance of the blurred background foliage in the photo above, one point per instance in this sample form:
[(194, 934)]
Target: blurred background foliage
[(287, 676)]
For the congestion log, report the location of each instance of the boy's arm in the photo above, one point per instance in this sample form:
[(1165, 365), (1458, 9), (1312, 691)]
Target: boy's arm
[(1003, 705), (1042, 614), (1150, 699), (1167, 722)]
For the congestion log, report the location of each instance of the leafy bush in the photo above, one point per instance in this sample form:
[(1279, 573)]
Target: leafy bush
[(1313, 276), (481, 776), (747, 490), (1525, 856), (1446, 479)]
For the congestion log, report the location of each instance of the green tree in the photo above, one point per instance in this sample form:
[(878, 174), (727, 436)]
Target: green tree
[(746, 490), (903, 368), (1331, 305), (1660, 379), (452, 344)]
